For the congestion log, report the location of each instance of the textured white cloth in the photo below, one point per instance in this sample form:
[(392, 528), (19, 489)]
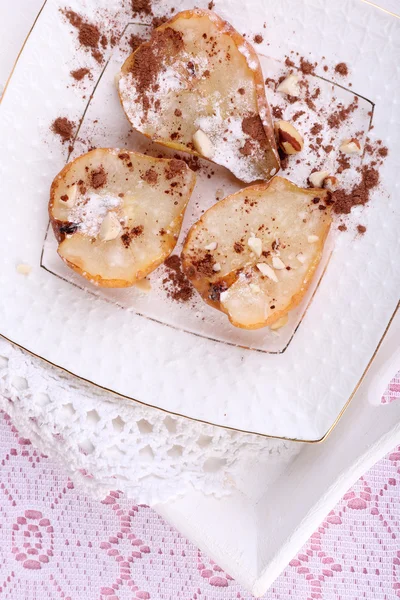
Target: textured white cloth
[(106, 442)]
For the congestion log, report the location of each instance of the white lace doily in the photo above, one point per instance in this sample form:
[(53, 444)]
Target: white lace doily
[(106, 442)]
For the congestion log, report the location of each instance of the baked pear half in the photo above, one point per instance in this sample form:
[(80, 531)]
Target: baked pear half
[(253, 254), (197, 86), (117, 214)]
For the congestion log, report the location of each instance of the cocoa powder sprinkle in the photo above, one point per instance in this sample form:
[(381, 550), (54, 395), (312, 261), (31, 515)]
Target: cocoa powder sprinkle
[(176, 284), (64, 128), (79, 74), (342, 69), (141, 6), (98, 178), (359, 195), (135, 41), (150, 176)]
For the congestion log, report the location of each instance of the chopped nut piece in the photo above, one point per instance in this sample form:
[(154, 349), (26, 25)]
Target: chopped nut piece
[(279, 323), (277, 263), (301, 258), (24, 269), (312, 239), (110, 228), (216, 267), (288, 138), (352, 146), (289, 86), (331, 183), (255, 245), (267, 271), (212, 246), (203, 144), (143, 285), (255, 288), (317, 178), (69, 200)]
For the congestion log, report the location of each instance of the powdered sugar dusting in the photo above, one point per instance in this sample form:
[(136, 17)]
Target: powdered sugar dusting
[(253, 64), (90, 211), (227, 138)]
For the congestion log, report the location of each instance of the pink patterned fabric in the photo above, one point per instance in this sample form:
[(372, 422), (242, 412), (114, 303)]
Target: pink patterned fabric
[(59, 544)]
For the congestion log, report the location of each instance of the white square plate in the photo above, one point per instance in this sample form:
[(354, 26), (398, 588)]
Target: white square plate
[(294, 385)]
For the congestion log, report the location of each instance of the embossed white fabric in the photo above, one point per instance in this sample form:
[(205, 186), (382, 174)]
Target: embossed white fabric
[(105, 442)]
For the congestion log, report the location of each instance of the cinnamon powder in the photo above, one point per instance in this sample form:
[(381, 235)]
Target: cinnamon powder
[(253, 127), (141, 6), (149, 61), (64, 128), (79, 74), (98, 178), (176, 284), (359, 195), (89, 35), (342, 69), (135, 41)]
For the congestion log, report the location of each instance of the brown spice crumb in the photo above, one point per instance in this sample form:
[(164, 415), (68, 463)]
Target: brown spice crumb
[(148, 61), (252, 125), (98, 178), (89, 35), (242, 91), (141, 6), (176, 284), (289, 63), (383, 152), (325, 67), (177, 112), (258, 38), (247, 149), (307, 67), (211, 5), (342, 227), (316, 129), (157, 21), (277, 112), (129, 235), (361, 229), (204, 265), (343, 162), (298, 114), (342, 114), (135, 41), (359, 195), (64, 128), (238, 247), (174, 168), (310, 104), (73, 17), (342, 69), (79, 74), (150, 176)]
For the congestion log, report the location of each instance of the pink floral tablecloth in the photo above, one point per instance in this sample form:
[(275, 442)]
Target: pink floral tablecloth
[(56, 543)]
